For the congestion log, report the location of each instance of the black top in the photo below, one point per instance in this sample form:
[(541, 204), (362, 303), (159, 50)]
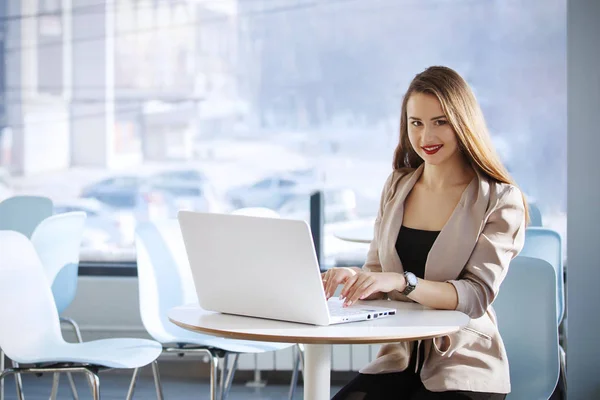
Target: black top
[(413, 246)]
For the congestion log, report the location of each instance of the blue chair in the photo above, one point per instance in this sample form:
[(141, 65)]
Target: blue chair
[(526, 311), (31, 332), (535, 215), (165, 281), (546, 244), (24, 213), (57, 240)]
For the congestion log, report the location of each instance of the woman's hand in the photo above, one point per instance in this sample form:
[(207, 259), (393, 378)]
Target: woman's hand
[(335, 277), (364, 284)]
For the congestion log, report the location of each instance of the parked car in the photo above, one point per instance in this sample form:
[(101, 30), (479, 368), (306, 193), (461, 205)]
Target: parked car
[(185, 175), (119, 192), (163, 199), (272, 191)]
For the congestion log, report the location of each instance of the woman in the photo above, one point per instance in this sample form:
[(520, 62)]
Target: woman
[(450, 221)]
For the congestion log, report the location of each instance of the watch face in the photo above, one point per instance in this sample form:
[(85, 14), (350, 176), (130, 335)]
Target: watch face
[(411, 279)]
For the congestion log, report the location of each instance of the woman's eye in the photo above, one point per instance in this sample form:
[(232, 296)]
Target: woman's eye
[(416, 123), (441, 122)]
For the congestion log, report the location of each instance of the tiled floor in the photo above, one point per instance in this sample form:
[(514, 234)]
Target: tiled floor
[(114, 386)]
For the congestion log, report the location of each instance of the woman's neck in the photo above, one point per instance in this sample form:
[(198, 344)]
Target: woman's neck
[(454, 172)]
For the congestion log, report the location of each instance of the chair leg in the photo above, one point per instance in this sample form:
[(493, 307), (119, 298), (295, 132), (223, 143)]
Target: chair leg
[(79, 340), (73, 387), (230, 376), (18, 382), (94, 383), (132, 384), (223, 369), (3, 374), (55, 383), (563, 367), (157, 384), (214, 366)]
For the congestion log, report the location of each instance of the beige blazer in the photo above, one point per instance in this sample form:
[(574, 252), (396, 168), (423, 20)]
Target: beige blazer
[(472, 252)]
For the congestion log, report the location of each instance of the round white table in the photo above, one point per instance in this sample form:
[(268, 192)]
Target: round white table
[(359, 234), (411, 322)]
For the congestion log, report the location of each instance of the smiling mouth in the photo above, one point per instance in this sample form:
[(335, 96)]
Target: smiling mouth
[(432, 149)]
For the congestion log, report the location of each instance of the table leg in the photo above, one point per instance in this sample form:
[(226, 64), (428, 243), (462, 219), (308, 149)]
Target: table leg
[(317, 372)]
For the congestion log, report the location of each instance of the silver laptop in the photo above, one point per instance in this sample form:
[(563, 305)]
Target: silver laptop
[(262, 267)]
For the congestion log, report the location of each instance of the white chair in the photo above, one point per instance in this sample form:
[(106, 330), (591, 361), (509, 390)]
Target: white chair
[(526, 311), (22, 214), (57, 241), (165, 281), (30, 331)]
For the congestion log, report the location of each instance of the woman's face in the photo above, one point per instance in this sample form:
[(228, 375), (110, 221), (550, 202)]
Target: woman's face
[(429, 131)]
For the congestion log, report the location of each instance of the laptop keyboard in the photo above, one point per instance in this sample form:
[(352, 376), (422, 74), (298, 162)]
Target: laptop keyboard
[(336, 309)]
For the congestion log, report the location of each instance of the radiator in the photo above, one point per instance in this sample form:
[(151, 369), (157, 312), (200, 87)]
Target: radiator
[(343, 358)]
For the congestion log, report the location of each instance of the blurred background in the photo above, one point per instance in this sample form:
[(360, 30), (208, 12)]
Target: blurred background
[(133, 109)]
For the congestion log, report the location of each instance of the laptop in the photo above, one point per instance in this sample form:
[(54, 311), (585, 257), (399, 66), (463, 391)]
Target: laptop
[(262, 267)]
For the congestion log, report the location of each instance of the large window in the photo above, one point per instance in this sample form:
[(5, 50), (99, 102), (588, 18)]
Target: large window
[(256, 103)]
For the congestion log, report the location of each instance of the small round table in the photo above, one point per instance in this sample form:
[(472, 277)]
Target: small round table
[(356, 235), (411, 322)]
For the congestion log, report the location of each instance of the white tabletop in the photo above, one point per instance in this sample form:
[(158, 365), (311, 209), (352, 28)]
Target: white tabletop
[(359, 234), (412, 321)]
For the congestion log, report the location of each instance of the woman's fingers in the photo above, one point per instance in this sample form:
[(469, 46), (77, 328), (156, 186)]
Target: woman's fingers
[(350, 282), (333, 280), (358, 289)]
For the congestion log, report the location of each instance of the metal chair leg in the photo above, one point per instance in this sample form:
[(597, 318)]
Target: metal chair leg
[(79, 340), (3, 374), (563, 367), (223, 370), (55, 383), (73, 387), (18, 382), (95, 384), (230, 376), (214, 366), (157, 384), (132, 384)]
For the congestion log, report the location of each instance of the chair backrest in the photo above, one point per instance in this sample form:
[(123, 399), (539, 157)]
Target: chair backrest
[(57, 240), (27, 310), (256, 212), (24, 213), (546, 244), (526, 311), (535, 215), (164, 275)]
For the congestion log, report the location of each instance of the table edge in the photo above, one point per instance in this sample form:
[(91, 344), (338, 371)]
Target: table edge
[(303, 339), (353, 240)]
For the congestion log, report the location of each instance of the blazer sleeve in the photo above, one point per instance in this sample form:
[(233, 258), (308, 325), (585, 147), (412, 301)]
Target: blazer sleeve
[(372, 263), (500, 241)]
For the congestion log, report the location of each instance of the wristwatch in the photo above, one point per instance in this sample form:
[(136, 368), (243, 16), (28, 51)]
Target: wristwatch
[(411, 283)]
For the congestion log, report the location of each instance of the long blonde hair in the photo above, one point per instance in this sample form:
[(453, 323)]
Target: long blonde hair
[(466, 118)]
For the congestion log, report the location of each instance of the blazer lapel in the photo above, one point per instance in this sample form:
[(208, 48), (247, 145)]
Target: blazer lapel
[(390, 262), (455, 243)]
